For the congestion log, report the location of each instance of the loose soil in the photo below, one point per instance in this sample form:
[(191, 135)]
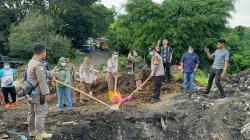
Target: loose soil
[(174, 118)]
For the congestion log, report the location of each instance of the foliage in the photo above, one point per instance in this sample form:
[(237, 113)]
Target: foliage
[(238, 43), (84, 18), (194, 22), (37, 28)]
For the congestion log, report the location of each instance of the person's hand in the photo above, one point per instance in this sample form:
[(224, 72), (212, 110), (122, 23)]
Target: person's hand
[(206, 49), (223, 75), (182, 70), (159, 41), (56, 74), (48, 98)]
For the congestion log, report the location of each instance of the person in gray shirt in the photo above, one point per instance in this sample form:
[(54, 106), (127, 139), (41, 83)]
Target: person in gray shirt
[(219, 68)]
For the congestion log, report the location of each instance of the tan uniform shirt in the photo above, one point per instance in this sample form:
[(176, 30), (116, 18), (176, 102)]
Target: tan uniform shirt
[(157, 68), (37, 75)]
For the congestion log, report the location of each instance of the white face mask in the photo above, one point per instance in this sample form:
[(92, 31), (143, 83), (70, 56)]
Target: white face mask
[(190, 51), (7, 66), (115, 56), (63, 64), (150, 53)]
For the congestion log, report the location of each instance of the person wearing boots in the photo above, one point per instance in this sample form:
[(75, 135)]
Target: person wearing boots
[(112, 74)]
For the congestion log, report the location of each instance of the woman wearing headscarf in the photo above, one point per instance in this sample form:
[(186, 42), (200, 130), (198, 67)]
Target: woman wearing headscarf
[(66, 76), (87, 76), (137, 67)]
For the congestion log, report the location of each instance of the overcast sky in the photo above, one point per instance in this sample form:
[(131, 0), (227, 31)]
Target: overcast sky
[(241, 15)]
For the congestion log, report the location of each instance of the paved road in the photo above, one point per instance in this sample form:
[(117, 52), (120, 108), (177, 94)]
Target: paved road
[(98, 57)]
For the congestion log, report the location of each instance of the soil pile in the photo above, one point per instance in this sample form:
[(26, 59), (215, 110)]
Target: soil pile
[(174, 118)]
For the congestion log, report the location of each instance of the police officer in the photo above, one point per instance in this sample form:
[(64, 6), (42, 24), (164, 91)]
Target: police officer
[(38, 109)]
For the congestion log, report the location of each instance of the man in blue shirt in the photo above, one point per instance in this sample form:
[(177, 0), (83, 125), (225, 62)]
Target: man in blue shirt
[(189, 65), (219, 68), (7, 75)]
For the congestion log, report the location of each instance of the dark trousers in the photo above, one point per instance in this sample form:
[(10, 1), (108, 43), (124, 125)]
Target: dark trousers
[(9, 90), (167, 71), (157, 86), (216, 73)]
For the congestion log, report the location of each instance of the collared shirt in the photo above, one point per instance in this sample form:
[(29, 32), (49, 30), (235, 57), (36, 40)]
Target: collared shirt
[(113, 65), (7, 77), (190, 60), (165, 54), (157, 68), (220, 56)]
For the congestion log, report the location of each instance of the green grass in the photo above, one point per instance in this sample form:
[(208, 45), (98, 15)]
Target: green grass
[(200, 77)]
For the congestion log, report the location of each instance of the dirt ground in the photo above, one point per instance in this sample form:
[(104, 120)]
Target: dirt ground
[(174, 118)]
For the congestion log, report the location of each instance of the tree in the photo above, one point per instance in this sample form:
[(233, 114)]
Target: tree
[(102, 18), (77, 15), (182, 22), (238, 43), (37, 27)]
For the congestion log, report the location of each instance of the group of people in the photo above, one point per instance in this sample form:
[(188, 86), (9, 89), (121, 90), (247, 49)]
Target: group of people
[(161, 58)]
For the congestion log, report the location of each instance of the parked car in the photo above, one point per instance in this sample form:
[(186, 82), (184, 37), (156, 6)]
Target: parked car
[(105, 48), (85, 48), (14, 63)]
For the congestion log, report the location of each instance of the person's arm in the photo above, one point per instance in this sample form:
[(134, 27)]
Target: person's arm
[(154, 66), (182, 62), (80, 72), (197, 63), (158, 46), (225, 66), (42, 80), (171, 55), (211, 57)]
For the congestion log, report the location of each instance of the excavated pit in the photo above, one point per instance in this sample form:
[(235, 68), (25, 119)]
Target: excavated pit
[(174, 118)]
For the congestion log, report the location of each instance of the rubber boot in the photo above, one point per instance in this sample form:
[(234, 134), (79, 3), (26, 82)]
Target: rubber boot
[(111, 94)]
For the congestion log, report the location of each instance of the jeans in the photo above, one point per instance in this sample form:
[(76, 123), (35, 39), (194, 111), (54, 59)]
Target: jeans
[(167, 71), (216, 73), (189, 82), (61, 92), (157, 86)]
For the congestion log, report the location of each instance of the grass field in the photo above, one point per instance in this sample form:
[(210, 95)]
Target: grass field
[(200, 77)]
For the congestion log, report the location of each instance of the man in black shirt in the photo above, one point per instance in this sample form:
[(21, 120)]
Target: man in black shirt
[(166, 53)]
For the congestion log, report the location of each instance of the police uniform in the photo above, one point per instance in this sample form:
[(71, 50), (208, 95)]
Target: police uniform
[(37, 75), (158, 73)]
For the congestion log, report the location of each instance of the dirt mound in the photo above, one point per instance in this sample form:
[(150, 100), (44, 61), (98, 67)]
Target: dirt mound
[(174, 118)]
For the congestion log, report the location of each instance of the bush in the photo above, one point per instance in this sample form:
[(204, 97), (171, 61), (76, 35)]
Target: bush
[(36, 27)]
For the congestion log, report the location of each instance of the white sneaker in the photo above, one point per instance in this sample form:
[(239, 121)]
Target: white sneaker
[(43, 136)]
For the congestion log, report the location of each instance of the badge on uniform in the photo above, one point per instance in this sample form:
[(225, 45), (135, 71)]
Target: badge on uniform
[(41, 68)]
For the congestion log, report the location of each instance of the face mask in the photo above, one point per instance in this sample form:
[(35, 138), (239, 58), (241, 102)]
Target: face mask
[(116, 56), (135, 54), (150, 53), (7, 66), (190, 51), (63, 64)]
